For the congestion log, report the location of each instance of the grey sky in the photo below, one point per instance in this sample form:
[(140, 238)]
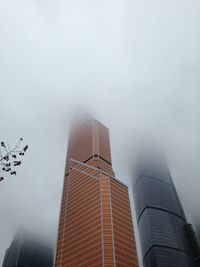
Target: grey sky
[(133, 64)]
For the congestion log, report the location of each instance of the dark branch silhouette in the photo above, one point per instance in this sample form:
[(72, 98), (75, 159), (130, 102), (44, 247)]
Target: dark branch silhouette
[(9, 157)]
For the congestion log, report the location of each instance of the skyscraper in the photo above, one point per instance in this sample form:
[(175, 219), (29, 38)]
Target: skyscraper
[(28, 250), (95, 226), (161, 221)]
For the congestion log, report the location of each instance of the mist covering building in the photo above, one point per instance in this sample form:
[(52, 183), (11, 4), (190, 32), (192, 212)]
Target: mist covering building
[(28, 250), (197, 228), (160, 217), (95, 227)]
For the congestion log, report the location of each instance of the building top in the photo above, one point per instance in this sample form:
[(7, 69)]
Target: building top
[(89, 141)]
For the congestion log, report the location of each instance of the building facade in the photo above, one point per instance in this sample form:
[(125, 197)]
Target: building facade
[(27, 250), (95, 226), (197, 228), (161, 220)]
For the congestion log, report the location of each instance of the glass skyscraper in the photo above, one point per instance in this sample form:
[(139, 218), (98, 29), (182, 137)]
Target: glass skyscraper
[(161, 220), (27, 250)]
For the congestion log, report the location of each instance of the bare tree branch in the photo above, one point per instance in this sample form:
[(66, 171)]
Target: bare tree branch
[(8, 157)]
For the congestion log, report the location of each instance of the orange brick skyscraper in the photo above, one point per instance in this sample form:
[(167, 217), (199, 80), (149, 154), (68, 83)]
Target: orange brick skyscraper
[(95, 220)]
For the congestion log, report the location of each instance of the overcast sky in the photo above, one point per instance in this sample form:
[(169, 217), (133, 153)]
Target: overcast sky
[(133, 64)]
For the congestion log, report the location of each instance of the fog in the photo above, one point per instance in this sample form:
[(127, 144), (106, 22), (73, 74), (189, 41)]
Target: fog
[(134, 65)]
